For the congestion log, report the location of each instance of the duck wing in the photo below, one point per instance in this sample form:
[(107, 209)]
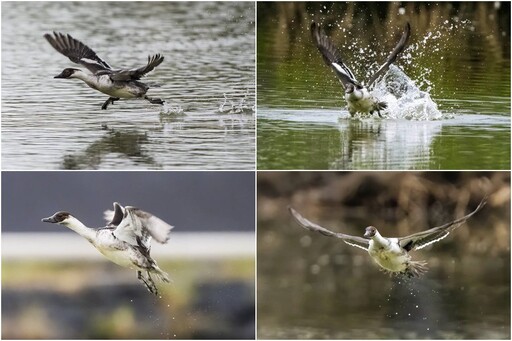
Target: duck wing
[(332, 56), (419, 240), (359, 242), (77, 52), (137, 227), (136, 74), (394, 54), (114, 217)]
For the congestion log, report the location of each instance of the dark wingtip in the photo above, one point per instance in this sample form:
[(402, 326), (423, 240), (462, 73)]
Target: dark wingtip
[(314, 29), (118, 215), (407, 31), (482, 203), (48, 37)]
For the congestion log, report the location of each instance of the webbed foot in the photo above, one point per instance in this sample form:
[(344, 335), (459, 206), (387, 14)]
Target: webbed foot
[(154, 100), (110, 100)]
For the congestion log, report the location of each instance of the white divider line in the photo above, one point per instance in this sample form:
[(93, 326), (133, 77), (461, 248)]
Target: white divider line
[(65, 247)]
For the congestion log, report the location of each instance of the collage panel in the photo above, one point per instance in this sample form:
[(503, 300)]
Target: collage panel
[(128, 85), (383, 255), (174, 258), (383, 85)]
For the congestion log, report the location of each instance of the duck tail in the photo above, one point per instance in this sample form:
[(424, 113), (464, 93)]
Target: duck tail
[(416, 269), (381, 105), (160, 274)]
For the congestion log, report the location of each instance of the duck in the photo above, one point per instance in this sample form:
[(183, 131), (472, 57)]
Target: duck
[(391, 254), (357, 96), (117, 83), (125, 240)]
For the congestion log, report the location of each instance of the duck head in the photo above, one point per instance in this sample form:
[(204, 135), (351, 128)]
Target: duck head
[(61, 217), (369, 232), (67, 73)]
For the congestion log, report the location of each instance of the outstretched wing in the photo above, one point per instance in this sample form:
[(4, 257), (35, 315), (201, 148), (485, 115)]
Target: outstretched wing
[(77, 52), (137, 227), (419, 240), (332, 56), (114, 217), (392, 57), (350, 240), (135, 74)]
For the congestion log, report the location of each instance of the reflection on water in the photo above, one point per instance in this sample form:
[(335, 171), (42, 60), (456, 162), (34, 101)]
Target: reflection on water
[(209, 66), (321, 139), (126, 143), (458, 54)]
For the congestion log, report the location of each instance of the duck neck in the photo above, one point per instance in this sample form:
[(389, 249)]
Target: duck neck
[(77, 226), (380, 240), (89, 79)]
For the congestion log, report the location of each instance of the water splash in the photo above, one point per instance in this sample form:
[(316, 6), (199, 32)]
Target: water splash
[(407, 99), (230, 106), (404, 98), (174, 110)]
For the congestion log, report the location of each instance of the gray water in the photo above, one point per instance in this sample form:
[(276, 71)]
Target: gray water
[(207, 80)]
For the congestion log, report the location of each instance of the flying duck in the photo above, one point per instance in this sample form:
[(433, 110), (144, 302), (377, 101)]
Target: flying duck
[(392, 254), (121, 83), (357, 95), (125, 240)]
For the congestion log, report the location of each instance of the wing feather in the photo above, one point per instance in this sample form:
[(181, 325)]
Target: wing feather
[(419, 240), (138, 227), (400, 46), (332, 56), (350, 240), (77, 52), (135, 74)]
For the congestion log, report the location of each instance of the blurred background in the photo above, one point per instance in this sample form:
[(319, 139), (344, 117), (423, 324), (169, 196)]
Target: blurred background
[(314, 287), (55, 285)]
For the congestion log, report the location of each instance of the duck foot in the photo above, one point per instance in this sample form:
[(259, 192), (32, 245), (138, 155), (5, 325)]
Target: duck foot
[(154, 100), (148, 282), (110, 100)]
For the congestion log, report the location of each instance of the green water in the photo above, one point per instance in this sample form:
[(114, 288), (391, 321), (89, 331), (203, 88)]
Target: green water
[(460, 56)]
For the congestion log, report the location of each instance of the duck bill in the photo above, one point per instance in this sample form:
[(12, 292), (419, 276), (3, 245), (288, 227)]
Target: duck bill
[(49, 220), (60, 75), (367, 235)]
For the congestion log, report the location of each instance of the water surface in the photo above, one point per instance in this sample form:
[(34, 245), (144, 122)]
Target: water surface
[(314, 287), (207, 80)]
